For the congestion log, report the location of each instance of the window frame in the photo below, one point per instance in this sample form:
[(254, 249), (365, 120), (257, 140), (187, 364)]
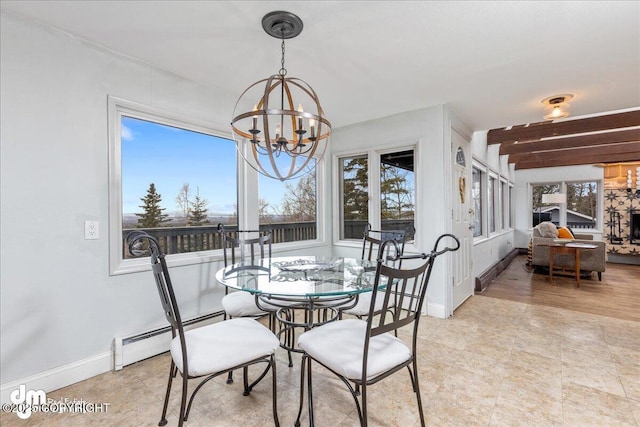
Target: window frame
[(504, 204), (340, 190), (493, 202), (483, 199)]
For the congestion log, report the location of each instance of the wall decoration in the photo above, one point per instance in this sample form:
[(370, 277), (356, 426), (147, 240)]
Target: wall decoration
[(622, 227)]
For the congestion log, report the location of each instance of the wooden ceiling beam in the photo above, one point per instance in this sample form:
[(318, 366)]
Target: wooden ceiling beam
[(611, 158), (612, 137), (622, 152), (537, 131)]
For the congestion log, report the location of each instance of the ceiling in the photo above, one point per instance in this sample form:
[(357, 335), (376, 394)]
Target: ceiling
[(491, 61)]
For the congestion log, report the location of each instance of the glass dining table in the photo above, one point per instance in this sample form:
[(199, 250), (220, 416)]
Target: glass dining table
[(313, 287)]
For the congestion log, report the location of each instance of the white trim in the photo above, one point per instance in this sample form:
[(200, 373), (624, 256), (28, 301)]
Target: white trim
[(436, 310), (62, 376)]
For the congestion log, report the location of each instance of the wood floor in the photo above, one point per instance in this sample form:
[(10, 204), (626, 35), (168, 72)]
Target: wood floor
[(617, 295)]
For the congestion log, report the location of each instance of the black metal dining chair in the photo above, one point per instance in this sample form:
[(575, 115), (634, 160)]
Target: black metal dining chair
[(207, 351), (236, 247), (371, 250), (362, 353)]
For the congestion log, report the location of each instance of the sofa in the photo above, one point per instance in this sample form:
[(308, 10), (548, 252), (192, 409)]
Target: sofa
[(591, 260)]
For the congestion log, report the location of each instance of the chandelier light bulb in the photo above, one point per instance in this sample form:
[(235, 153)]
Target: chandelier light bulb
[(556, 106)]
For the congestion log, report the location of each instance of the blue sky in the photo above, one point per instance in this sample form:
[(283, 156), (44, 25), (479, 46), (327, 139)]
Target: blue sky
[(169, 157)]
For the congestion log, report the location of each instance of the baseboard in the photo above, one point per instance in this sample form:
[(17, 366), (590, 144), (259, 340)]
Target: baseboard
[(483, 280), (623, 259), (436, 310), (61, 376)]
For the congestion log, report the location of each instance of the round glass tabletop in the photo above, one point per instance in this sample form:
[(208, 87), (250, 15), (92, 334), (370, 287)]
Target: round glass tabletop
[(308, 276)]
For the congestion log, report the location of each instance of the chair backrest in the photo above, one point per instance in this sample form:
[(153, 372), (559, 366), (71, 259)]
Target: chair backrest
[(140, 244), (373, 239), (403, 295), (242, 245)]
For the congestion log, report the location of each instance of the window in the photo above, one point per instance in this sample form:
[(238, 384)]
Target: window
[(354, 196), (476, 196), (504, 194), (397, 191), (177, 183), (289, 208), (510, 207), (178, 179), (172, 178), (544, 211), (492, 210), (582, 204), (391, 178)]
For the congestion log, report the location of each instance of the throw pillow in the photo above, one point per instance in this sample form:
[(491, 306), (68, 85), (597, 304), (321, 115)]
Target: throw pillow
[(565, 233), (548, 229)]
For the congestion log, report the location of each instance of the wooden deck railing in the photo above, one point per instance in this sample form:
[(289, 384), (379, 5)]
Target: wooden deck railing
[(176, 240)]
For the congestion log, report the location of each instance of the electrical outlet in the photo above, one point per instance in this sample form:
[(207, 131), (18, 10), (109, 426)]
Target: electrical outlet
[(91, 230)]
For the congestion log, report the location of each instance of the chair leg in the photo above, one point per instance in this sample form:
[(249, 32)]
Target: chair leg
[(309, 392), (250, 387), (363, 399), (302, 366), (230, 375), (183, 402), (416, 389), (172, 373), (599, 276), (245, 380), (272, 364)]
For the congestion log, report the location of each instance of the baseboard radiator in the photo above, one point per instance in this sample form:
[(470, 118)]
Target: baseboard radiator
[(137, 347), (483, 280)]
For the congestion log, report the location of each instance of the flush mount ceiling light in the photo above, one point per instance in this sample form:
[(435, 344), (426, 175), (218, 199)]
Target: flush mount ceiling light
[(556, 106), (273, 132)]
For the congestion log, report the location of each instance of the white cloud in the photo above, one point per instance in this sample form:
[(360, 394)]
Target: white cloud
[(126, 135)]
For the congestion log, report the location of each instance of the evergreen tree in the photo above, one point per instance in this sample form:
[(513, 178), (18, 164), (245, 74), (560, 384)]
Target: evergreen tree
[(198, 212), (397, 194), (153, 215), (356, 189)]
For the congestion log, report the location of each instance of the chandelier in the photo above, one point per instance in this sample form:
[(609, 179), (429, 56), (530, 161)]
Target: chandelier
[(273, 132)]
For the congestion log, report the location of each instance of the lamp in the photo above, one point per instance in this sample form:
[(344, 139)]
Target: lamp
[(554, 198), (273, 132), (556, 106)]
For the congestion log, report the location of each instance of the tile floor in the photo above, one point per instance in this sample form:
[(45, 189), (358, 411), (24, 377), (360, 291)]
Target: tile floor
[(495, 363)]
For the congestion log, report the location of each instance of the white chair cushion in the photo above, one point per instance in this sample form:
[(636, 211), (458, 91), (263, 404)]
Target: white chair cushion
[(364, 303), (340, 345), (241, 304), (221, 346)]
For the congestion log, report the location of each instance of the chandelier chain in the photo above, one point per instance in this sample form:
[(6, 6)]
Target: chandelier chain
[(283, 71)]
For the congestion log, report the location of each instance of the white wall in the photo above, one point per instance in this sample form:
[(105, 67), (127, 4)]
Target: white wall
[(489, 249), (566, 173), (58, 304)]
